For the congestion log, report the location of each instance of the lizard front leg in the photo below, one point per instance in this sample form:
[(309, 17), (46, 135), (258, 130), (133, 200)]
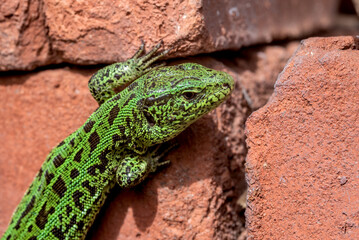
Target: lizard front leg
[(103, 83), (133, 169)]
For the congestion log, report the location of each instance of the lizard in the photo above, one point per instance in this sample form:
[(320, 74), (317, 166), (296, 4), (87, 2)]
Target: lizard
[(118, 143)]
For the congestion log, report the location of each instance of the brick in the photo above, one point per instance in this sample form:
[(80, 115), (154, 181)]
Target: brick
[(303, 147)]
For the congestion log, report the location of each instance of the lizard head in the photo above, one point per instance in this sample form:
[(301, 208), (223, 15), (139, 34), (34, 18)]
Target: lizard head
[(176, 96)]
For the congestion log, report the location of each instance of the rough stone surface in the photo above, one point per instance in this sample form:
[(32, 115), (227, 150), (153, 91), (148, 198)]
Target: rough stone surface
[(41, 32), (257, 69), (194, 198), (24, 42), (302, 165), (42, 108), (38, 110)]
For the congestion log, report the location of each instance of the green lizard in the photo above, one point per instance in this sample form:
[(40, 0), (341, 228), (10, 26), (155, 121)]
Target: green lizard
[(117, 142)]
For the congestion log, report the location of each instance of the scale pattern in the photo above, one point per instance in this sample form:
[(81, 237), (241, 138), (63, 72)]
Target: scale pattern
[(117, 144)]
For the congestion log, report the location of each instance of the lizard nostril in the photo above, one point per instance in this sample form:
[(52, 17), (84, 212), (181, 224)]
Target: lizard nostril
[(151, 121), (225, 85)]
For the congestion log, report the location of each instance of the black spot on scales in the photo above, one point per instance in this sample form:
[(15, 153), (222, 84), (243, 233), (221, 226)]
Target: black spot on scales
[(92, 190), (128, 121), (59, 187), (28, 191), (29, 229), (94, 140), (106, 73), (58, 161), (134, 114), (42, 217), (49, 177), (80, 225), (88, 126), (102, 166), (72, 223), (117, 97), (74, 173), (122, 129), (68, 209), (88, 212), (132, 96), (150, 101), (92, 170), (139, 103), (113, 114), (97, 200), (72, 142), (40, 173), (128, 180), (118, 76), (76, 197), (132, 86), (194, 67), (77, 157), (94, 76), (28, 208), (58, 233), (119, 180), (118, 138), (60, 144)]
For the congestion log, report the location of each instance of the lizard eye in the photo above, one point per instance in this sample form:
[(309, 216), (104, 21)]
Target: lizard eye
[(189, 95)]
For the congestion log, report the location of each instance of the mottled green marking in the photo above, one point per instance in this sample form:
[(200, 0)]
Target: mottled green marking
[(113, 145)]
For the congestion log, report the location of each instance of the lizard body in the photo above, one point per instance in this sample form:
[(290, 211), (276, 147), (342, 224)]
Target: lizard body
[(115, 145)]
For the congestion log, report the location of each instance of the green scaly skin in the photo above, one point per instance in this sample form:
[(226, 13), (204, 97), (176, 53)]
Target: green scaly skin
[(115, 143)]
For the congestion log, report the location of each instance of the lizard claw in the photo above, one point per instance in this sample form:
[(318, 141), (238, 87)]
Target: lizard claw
[(149, 58)]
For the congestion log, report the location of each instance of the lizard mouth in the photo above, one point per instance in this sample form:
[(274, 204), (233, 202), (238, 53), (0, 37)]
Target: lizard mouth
[(224, 91), (220, 95)]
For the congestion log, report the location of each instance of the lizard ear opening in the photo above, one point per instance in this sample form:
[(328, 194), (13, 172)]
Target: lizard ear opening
[(189, 95), (151, 121)]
